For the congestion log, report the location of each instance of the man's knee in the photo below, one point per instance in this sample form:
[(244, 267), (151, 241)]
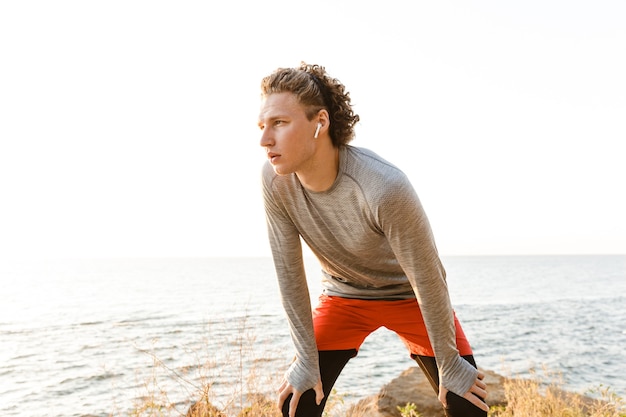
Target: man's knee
[(306, 406), (460, 407)]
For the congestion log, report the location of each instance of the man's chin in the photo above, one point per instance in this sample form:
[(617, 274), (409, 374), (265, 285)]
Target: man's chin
[(280, 170)]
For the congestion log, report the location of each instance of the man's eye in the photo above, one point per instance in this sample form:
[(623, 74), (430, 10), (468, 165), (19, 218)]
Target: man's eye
[(278, 122)]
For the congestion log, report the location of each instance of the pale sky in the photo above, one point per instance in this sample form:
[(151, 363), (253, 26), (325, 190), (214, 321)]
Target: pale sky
[(129, 128)]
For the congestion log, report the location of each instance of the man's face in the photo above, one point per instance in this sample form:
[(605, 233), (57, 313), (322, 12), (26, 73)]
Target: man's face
[(287, 133)]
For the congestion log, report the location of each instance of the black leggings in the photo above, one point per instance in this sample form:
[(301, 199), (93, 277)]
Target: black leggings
[(332, 363)]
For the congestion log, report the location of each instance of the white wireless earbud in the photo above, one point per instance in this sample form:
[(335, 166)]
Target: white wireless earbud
[(317, 131)]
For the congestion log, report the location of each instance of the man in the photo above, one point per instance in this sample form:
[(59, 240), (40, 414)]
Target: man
[(364, 222)]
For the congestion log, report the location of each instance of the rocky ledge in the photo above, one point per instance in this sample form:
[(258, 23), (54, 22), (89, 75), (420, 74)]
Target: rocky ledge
[(413, 387)]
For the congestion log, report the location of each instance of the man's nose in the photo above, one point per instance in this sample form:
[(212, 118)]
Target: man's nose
[(265, 138)]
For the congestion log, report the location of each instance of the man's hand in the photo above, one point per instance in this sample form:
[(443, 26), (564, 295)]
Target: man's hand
[(479, 388), (286, 388)]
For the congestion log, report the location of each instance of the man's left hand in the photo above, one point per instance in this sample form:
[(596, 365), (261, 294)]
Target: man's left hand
[(476, 394)]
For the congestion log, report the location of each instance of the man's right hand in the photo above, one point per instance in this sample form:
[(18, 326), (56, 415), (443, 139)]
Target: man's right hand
[(287, 389)]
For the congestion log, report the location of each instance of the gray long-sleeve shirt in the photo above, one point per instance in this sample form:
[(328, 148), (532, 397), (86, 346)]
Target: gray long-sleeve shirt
[(373, 241)]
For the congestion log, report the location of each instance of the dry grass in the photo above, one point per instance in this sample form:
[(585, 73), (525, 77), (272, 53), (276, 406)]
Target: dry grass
[(526, 397), (542, 396), (204, 384), (252, 391)]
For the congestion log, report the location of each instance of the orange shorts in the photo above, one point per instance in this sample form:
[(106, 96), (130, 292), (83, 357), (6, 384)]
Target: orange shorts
[(344, 323)]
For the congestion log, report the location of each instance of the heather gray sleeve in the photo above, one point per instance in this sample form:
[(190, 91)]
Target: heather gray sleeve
[(406, 226), (284, 239)]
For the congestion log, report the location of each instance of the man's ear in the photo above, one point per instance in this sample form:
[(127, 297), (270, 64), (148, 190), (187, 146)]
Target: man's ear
[(324, 119)]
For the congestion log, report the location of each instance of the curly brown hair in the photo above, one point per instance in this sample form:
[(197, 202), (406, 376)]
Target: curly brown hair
[(316, 90)]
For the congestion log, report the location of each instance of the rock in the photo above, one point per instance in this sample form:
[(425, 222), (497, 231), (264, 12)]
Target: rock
[(413, 387), (203, 409)]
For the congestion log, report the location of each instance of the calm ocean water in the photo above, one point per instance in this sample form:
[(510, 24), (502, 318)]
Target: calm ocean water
[(97, 337)]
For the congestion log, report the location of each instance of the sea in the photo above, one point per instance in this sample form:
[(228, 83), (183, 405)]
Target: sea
[(113, 337)]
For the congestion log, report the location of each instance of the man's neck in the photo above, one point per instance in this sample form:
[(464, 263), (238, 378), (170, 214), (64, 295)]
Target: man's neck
[(321, 174)]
